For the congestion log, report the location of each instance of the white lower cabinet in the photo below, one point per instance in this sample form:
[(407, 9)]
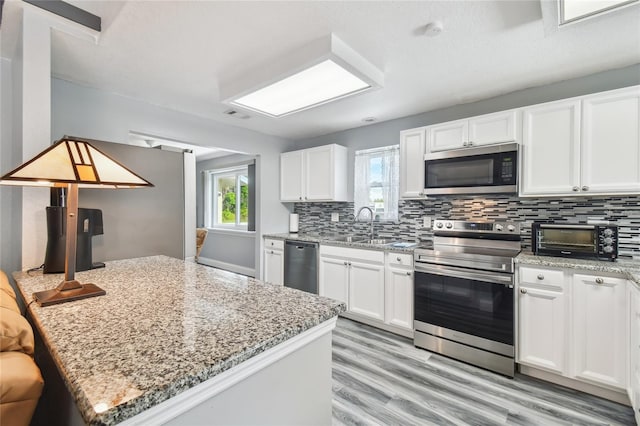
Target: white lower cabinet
[(542, 328), (377, 287), (366, 289), (634, 349), (355, 277), (574, 325), (274, 261), (600, 324), (399, 290)]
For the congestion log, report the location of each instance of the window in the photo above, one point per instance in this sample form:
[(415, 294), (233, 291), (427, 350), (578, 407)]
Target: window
[(227, 198), (376, 181), (574, 10)]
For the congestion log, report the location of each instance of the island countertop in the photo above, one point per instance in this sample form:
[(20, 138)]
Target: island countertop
[(164, 326)]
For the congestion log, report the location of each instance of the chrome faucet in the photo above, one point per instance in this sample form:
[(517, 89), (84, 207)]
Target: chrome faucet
[(371, 221)]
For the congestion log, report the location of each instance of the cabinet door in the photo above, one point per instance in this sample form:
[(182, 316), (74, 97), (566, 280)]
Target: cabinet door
[(551, 149), (399, 297), (366, 289), (611, 142), (634, 347), (541, 329), (274, 266), (600, 330), (412, 150), (334, 279), (494, 128), (291, 176), (319, 173), (451, 135)]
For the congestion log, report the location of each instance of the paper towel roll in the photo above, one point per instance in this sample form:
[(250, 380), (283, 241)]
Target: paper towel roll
[(293, 222)]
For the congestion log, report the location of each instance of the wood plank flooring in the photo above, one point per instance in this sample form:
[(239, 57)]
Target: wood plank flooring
[(381, 379)]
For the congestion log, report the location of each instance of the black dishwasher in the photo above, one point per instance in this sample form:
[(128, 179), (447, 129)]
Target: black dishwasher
[(301, 266)]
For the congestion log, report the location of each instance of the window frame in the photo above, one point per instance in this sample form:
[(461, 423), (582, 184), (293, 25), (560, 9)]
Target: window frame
[(393, 215), (211, 200)]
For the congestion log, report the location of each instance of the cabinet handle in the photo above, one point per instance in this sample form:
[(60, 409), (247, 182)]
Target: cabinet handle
[(464, 144), (575, 189), (271, 251), (470, 143), (585, 188), (301, 198), (409, 274), (599, 281), (540, 277), (345, 263), (349, 263), (523, 290), (398, 259)]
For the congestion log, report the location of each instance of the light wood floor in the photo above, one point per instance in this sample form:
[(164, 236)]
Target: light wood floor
[(382, 379)]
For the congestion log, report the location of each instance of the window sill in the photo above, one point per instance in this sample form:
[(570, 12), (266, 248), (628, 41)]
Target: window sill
[(231, 231)]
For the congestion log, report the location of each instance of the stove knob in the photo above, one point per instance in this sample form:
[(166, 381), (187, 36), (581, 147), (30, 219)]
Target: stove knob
[(608, 232), (449, 225), (499, 227), (608, 249), (438, 224), (511, 228), (608, 241)]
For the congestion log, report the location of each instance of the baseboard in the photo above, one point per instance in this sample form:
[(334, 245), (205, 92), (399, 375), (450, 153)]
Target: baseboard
[(190, 259), (227, 266), (620, 397), (378, 324)]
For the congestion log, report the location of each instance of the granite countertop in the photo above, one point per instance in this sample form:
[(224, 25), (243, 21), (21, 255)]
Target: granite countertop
[(329, 240), (165, 325), (628, 268)]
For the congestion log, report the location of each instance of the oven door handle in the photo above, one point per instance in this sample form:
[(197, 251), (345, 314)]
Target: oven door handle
[(464, 274)]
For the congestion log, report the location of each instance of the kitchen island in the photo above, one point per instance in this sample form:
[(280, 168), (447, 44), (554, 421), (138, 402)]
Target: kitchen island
[(177, 342)]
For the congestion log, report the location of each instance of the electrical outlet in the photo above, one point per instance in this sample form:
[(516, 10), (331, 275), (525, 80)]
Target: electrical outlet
[(335, 217), (426, 222)]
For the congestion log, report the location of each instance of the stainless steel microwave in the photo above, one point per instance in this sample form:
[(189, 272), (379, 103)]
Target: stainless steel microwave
[(481, 170), (582, 241)]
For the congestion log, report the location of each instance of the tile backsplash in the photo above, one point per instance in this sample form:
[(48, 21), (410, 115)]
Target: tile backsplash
[(621, 210)]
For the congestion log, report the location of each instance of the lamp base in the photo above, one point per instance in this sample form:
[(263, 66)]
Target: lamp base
[(60, 295)]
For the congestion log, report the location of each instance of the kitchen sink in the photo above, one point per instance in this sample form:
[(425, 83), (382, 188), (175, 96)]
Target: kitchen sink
[(381, 241), (349, 239)]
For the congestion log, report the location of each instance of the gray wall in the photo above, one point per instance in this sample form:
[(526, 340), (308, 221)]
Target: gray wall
[(224, 247), (10, 197), (96, 114), (145, 221), (387, 133)]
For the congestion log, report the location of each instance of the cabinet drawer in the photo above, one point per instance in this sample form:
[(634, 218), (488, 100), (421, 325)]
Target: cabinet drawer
[(400, 259), (273, 244), (541, 276)]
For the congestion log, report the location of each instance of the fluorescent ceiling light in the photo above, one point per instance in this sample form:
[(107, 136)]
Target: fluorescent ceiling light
[(574, 10), (323, 71)]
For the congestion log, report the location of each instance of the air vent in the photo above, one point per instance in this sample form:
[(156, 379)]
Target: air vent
[(236, 114)]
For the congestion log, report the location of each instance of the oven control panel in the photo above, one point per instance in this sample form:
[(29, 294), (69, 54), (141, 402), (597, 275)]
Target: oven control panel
[(444, 225)]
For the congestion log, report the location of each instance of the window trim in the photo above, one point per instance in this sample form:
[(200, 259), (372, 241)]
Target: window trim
[(373, 153), (211, 202)]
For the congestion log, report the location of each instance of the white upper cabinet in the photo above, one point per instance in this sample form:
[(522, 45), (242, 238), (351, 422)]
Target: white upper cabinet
[(582, 146), (314, 174), (499, 127), (412, 150), (611, 142), (551, 149), (291, 176)]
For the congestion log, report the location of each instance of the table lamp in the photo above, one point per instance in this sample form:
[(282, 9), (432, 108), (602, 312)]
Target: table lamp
[(72, 163)]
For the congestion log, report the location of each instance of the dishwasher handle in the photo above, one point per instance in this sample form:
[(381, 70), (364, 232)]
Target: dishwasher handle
[(300, 245)]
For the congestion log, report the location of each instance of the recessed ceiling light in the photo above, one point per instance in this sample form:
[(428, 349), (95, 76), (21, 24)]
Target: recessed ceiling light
[(324, 71), (575, 10)]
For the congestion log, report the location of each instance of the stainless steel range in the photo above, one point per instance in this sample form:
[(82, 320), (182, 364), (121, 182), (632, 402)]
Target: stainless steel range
[(464, 297)]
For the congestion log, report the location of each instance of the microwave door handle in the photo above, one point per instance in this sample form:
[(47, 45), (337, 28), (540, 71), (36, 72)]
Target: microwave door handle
[(458, 273)]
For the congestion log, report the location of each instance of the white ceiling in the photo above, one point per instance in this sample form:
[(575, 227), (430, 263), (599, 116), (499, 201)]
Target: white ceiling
[(175, 53)]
